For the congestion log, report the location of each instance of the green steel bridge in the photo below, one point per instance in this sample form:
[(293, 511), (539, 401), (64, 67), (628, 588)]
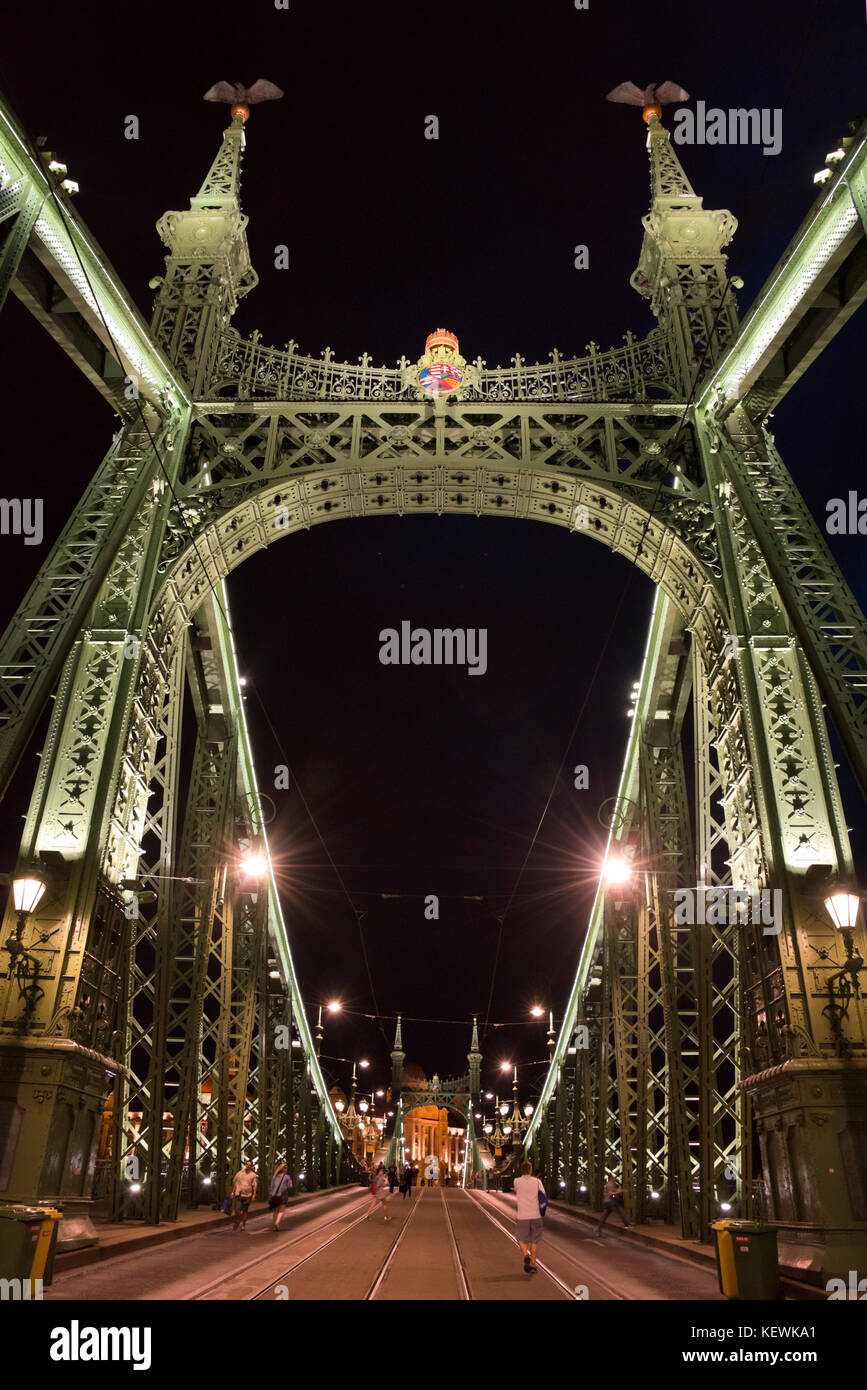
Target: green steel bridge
[(150, 970)]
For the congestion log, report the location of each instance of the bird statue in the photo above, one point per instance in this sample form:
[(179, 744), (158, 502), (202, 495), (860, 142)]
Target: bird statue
[(241, 98), (653, 98)]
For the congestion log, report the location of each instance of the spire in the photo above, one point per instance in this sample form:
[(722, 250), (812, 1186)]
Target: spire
[(474, 1058), (398, 1057), (222, 186), (682, 269), (668, 182), (208, 268)]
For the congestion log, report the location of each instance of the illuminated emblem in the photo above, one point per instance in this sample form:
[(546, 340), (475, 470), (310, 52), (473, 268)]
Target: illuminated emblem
[(441, 370)]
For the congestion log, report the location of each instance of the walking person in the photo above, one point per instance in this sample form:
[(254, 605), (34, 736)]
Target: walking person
[(243, 1191), (413, 1174), (278, 1196), (392, 1178), (528, 1225), (405, 1180), (613, 1201), (379, 1193)]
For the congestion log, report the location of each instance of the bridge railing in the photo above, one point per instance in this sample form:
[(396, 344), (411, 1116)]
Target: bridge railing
[(246, 369)]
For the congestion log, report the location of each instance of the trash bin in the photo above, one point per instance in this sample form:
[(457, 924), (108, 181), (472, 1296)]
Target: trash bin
[(746, 1259), (28, 1239)]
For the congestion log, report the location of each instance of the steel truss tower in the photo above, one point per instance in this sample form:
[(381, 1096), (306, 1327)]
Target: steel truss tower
[(154, 973)]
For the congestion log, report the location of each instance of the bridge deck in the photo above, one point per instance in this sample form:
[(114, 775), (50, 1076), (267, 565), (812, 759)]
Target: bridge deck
[(439, 1245)]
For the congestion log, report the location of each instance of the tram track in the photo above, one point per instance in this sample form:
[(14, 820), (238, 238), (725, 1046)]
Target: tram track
[(386, 1264), (589, 1274), (232, 1276), (460, 1268)]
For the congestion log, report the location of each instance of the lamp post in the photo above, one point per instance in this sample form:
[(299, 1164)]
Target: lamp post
[(27, 892), (843, 906)]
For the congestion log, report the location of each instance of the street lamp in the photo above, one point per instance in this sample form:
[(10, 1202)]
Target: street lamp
[(842, 908), (616, 871), (254, 865), (335, 1006), (27, 894)]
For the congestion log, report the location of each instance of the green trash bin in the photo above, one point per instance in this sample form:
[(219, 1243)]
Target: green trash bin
[(746, 1259), (28, 1240)]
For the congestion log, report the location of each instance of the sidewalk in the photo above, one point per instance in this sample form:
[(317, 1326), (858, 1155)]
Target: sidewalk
[(670, 1242), (125, 1237)]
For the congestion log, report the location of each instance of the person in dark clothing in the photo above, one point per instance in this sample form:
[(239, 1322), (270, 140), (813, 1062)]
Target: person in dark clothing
[(392, 1177), (405, 1180), (612, 1200)]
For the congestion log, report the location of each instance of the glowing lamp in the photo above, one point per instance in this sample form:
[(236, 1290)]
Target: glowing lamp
[(617, 871), (335, 1006), (363, 1106), (528, 1109), (27, 893), (842, 908), (254, 866)]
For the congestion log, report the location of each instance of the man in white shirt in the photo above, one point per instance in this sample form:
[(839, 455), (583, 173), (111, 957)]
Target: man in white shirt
[(528, 1229)]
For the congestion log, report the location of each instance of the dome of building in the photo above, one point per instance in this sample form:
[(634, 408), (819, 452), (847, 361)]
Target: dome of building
[(413, 1078)]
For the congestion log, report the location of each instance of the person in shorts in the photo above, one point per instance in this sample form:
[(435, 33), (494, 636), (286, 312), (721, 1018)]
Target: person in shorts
[(528, 1228), (243, 1192)]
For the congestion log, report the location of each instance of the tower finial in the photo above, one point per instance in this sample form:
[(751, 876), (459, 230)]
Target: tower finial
[(241, 98)]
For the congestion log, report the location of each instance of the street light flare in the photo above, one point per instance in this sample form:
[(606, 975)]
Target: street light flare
[(617, 871)]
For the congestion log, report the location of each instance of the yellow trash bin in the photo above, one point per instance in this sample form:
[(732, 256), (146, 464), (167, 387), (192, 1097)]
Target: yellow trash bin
[(746, 1259), (28, 1239)]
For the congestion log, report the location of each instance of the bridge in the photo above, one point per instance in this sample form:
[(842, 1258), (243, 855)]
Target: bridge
[(148, 982)]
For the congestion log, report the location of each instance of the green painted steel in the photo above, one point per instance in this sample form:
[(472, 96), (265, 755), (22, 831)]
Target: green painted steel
[(657, 450)]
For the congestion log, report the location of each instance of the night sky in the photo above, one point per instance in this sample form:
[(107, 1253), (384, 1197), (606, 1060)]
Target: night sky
[(423, 780)]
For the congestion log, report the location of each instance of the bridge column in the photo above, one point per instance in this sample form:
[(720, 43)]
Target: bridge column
[(113, 737), (807, 1058), (670, 971)]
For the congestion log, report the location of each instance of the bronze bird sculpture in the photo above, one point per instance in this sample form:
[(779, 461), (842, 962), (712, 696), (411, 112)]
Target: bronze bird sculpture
[(241, 98)]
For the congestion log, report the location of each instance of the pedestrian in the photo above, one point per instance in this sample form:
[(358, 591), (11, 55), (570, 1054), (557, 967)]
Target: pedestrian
[(528, 1226), (278, 1196), (379, 1193), (612, 1200), (243, 1192), (405, 1180), (413, 1174), (392, 1178)]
